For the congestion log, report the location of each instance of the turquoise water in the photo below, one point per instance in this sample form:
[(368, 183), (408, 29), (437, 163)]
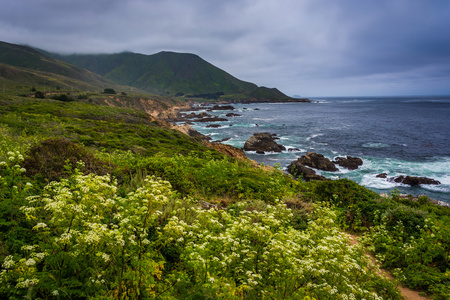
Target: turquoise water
[(397, 136)]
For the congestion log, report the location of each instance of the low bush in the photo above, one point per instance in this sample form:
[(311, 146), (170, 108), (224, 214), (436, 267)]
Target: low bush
[(54, 158)]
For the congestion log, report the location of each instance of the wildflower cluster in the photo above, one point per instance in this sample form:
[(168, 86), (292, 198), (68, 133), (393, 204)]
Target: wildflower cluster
[(256, 254), (89, 240)]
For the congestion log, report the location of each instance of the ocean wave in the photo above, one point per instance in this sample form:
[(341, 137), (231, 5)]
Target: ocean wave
[(374, 145), (371, 181), (313, 136)]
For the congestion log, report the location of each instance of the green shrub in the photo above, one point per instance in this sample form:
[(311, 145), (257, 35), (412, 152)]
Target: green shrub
[(342, 192), (63, 97), (50, 158), (412, 220)]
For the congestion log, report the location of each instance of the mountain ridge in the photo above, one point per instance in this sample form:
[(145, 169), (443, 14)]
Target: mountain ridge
[(166, 73)]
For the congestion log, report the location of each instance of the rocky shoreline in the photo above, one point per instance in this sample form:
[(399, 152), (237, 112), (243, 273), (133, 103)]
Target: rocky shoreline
[(262, 142)]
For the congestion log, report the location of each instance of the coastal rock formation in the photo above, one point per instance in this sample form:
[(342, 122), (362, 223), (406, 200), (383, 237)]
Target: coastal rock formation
[(297, 169), (188, 130), (317, 161), (382, 175), (351, 163), (413, 181), (232, 115), (222, 107), (262, 142), (210, 119), (228, 150), (213, 126)]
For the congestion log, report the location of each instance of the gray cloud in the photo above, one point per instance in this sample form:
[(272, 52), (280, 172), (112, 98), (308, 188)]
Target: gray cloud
[(307, 47)]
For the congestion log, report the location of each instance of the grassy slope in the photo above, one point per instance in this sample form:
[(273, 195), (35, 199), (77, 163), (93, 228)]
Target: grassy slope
[(28, 58), (162, 72), (169, 73)]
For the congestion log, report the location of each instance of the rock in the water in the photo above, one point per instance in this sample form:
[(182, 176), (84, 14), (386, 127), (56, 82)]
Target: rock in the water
[(411, 180), (297, 169), (382, 175), (222, 107), (262, 141), (351, 163), (317, 161), (213, 126), (232, 115), (210, 119)]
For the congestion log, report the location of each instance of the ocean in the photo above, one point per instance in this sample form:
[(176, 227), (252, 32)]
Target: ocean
[(393, 135)]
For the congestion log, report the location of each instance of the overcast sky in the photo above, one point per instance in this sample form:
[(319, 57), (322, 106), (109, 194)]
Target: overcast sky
[(302, 47)]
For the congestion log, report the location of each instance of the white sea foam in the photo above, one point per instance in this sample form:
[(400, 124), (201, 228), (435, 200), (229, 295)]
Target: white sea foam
[(313, 136), (375, 145), (371, 181)]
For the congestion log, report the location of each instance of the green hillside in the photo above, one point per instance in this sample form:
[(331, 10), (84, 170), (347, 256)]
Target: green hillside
[(43, 67), (170, 73), (166, 74)]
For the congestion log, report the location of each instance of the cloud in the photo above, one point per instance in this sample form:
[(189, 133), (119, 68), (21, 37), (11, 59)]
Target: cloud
[(307, 47)]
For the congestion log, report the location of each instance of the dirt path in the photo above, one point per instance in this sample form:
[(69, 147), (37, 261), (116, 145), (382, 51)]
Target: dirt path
[(406, 292)]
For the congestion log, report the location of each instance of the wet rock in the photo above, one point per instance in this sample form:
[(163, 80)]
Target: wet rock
[(351, 163), (413, 181), (263, 141), (233, 115), (297, 169), (222, 107), (210, 119), (317, 161), (382, 175)]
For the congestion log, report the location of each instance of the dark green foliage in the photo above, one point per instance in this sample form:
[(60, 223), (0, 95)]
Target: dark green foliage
[(50, 158), (109, 91), (39, 95), (411, 219), (342, 192), (63, 97)]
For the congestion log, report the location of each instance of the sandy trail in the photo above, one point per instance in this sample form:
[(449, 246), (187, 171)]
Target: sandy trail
[(407, 293)]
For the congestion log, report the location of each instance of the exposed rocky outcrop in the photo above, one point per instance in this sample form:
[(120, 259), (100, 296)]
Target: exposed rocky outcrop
[(262, 142), (382, 175), (222, 107), (188, 130), (213, 126), (232, 115), (351, 163), (297, 169), (228, 150), (210, 119), (413, 181), (317, 161)]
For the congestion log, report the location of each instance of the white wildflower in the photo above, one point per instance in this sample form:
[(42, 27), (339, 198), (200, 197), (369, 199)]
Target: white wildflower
[(30, 262)]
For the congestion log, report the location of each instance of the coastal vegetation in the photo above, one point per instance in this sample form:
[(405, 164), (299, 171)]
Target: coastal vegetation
[(101, 200)]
